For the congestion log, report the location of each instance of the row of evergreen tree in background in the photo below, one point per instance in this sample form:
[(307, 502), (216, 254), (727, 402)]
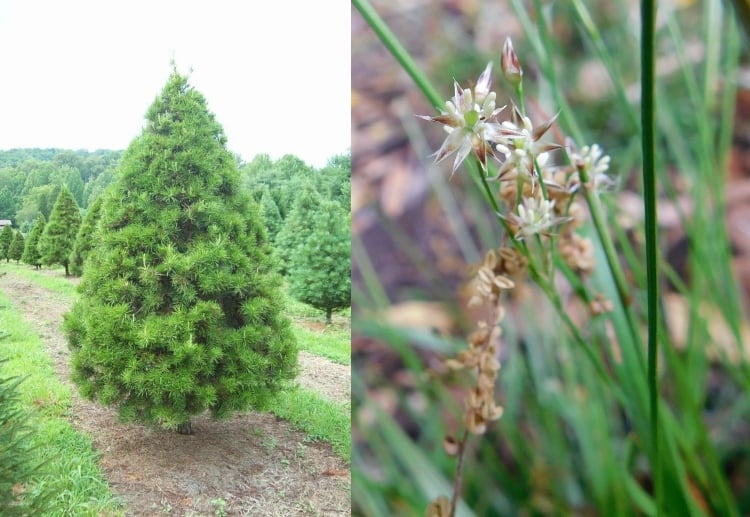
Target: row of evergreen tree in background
[(54, 198)]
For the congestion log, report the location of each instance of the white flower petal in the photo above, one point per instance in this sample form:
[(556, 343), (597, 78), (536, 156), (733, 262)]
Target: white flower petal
[(482, 89)]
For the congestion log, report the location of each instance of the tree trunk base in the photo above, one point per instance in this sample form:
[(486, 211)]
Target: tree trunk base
[(185, 428)]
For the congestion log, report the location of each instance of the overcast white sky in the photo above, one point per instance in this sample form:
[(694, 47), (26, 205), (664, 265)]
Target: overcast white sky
[(80, 74)]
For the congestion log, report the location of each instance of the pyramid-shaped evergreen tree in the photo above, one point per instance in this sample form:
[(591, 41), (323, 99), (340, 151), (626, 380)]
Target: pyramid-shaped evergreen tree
[(60, 232), (180, 308), (15, 251), (271, 214), (31, 253), (6, 237), (85, 237), (320, 267)]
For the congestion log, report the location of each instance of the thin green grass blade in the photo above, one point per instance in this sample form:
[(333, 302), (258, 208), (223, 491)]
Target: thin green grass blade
[(648, 142)]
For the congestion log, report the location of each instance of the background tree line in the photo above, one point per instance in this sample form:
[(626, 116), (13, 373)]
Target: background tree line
[(306, 211), (31, 179)]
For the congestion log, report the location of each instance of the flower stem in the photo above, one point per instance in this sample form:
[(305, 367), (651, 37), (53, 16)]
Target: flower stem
[(648, 108), (459, 473), (519, 96), (621, 284), (486, 186)]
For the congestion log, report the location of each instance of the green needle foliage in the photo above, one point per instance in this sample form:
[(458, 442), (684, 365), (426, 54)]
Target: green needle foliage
[(6, 237), (18, 463), (15, 251), (271, 214), (31, 255), (320, 269), (60, 233), (180, 307), (85, 238), (298, 224)]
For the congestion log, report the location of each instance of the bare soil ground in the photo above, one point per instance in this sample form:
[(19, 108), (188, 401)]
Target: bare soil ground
[(332, 380), (255, 463)]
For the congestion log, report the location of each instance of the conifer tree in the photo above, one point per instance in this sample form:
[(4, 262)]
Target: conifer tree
[(320, 268), (31, 255), (180, 306), (271, 214), (292, 174), (85, 238), (15, 251), (334, 180), (297, 225), (60, 233), (6, 237)]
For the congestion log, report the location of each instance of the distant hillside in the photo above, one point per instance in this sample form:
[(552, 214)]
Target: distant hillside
[(14, 157), (30, 180)]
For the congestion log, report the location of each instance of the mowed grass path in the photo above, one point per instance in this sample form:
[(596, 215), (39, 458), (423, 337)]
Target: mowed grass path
[(72, 469)]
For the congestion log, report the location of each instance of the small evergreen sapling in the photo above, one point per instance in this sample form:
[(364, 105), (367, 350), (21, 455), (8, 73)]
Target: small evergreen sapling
[(85, 238), (15, 251), (180, 307), (31, 255), (320, 268), (6, 237), (60, 233)]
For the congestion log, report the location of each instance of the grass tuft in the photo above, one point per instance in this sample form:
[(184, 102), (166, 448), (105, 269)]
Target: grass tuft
[(318, 417)]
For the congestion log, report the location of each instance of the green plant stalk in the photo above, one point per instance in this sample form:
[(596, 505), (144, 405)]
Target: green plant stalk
[(375, 290), (403, 58), (601, 370), (593, 202), (729, 96), (543, 47), (648, 123), (698, 453), (459, 473), (733, 49), (597, 41), (395, 47), (488, 192), (549, 291), (711, 155), (615, 269), (521, 101)]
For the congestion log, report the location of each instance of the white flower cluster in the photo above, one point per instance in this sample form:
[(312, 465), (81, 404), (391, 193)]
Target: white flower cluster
[(538, 195)]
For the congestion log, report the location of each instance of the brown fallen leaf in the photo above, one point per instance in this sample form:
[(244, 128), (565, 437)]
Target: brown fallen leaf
[(335, 472), (722, 340), (421, 315)]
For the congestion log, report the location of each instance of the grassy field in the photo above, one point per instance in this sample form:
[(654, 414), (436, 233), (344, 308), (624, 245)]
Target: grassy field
[(333, 342), (318, 417), (72, 470)]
